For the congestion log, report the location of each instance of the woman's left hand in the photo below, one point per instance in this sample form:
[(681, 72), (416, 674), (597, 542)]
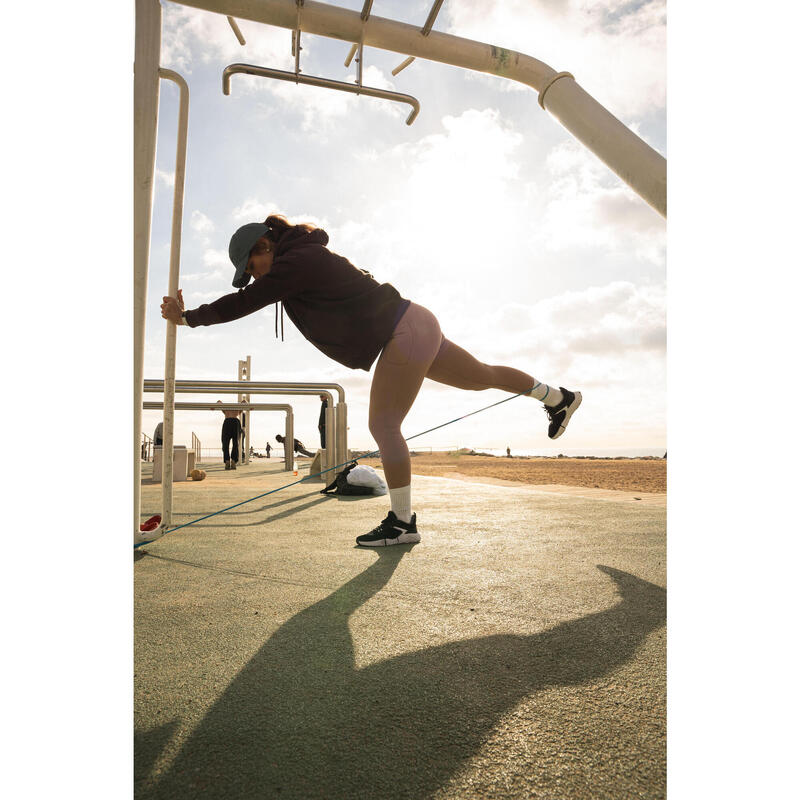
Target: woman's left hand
[(172, 308)]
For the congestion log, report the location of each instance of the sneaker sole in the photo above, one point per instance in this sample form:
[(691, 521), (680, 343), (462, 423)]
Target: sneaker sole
[(403, 538), (570, 411)]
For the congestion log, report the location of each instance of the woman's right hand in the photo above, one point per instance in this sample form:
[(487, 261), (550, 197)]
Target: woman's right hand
[(172, 308)]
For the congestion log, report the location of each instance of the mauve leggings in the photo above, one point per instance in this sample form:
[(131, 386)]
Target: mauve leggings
[(418, 350)]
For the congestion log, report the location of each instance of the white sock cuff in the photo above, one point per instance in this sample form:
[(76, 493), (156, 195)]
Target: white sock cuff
[(548, 395), (401, 502)]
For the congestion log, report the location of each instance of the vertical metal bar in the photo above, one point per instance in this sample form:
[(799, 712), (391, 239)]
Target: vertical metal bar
[(246, 459), (366, 10), (168, 450), (341, 433), (145, 121), (288, 442), (330, 436)]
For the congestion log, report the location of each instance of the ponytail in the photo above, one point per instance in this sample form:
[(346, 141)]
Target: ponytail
[(279, 225)]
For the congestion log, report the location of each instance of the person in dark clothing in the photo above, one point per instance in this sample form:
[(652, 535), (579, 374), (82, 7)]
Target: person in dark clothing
[(231, 431), (268, 449), (299, 447), (350, 317), (321, 423), (158, 435)]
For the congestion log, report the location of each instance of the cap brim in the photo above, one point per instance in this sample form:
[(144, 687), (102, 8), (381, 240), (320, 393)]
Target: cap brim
[(241, 277)]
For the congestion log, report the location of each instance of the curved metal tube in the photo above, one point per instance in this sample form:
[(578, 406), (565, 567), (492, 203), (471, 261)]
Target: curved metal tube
[(325, 83), (172, 289), (625, 153)]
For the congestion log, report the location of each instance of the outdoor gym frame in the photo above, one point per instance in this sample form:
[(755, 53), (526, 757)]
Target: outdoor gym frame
[(627, 155)]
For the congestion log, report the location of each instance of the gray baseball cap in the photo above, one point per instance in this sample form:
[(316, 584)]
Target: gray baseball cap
[(242, 242)]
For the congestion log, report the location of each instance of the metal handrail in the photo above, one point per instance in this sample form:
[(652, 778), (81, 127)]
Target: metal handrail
[(288, 425), (336, 418), (197, 446), (325, 83)]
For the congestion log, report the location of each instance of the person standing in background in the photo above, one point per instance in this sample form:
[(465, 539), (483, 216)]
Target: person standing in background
[(321, 423), (158, 435), (231, 431), (268, 449)]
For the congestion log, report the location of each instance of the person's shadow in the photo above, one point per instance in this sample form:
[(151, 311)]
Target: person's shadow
[(301, 721)]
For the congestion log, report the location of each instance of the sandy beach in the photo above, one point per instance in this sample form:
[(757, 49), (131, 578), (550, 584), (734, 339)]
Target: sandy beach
[(622, 474)]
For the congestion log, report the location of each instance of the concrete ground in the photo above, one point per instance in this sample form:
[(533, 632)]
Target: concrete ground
[(518, 651)]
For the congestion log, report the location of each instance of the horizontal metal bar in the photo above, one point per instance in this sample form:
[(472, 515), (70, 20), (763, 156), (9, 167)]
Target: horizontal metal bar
[(325, 83), (154, 405), (247, 387)]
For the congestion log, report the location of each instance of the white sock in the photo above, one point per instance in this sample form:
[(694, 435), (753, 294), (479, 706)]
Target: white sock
[(401, 502), (549, 395)]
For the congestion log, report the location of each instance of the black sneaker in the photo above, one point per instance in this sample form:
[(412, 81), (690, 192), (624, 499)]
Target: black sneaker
[(391, 531), (559, 415)]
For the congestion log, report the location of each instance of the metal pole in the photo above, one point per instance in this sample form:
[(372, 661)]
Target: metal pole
[(247, 422), (330, 437), (641, 167), (172, 290), (341, 434), (145, 121), (288, 443)]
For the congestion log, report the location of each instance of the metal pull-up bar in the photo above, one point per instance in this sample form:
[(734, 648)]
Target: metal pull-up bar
[(327, 83), (625, 153)]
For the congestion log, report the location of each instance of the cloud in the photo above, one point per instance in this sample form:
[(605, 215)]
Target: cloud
[(163, 178), (201, 223), (321, 109), (602, 333), (616, 49), (589, 207), (190, 36)]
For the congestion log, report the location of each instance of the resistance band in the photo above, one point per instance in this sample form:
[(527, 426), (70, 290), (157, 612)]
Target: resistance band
[(317, 474)]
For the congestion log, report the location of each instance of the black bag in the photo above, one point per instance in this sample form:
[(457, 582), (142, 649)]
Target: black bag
[(339, 484)]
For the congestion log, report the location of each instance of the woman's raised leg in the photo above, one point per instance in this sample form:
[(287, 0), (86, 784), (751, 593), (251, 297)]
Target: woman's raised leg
[(454, 366)]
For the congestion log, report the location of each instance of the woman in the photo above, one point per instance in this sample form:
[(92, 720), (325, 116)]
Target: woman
[(344, 312)]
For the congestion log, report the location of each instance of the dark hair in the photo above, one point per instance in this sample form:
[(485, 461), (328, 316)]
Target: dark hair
[(279, 225)]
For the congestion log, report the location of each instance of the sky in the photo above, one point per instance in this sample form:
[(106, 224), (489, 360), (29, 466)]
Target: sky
[(529, 250)]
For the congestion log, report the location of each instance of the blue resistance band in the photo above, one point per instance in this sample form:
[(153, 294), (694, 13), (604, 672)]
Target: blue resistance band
[(317, 474)]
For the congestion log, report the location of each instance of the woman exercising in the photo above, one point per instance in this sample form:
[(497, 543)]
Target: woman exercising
[(345, 313)]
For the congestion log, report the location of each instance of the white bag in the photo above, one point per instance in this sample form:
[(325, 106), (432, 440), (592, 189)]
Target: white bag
[(362, 475)]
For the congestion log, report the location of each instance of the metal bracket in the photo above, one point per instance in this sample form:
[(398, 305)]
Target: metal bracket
[(426, 29), (235, 27), (325, 83)]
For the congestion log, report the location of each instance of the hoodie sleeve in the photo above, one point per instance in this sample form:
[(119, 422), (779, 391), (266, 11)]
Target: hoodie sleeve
[(286, 278)]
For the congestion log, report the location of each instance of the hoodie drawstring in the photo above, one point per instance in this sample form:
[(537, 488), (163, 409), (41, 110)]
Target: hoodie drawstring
[(279, 303)]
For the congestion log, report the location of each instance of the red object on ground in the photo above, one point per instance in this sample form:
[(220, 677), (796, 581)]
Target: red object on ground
[(150, 524)]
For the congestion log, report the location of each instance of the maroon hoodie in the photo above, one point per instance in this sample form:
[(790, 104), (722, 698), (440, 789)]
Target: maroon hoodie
[(342, 310)]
